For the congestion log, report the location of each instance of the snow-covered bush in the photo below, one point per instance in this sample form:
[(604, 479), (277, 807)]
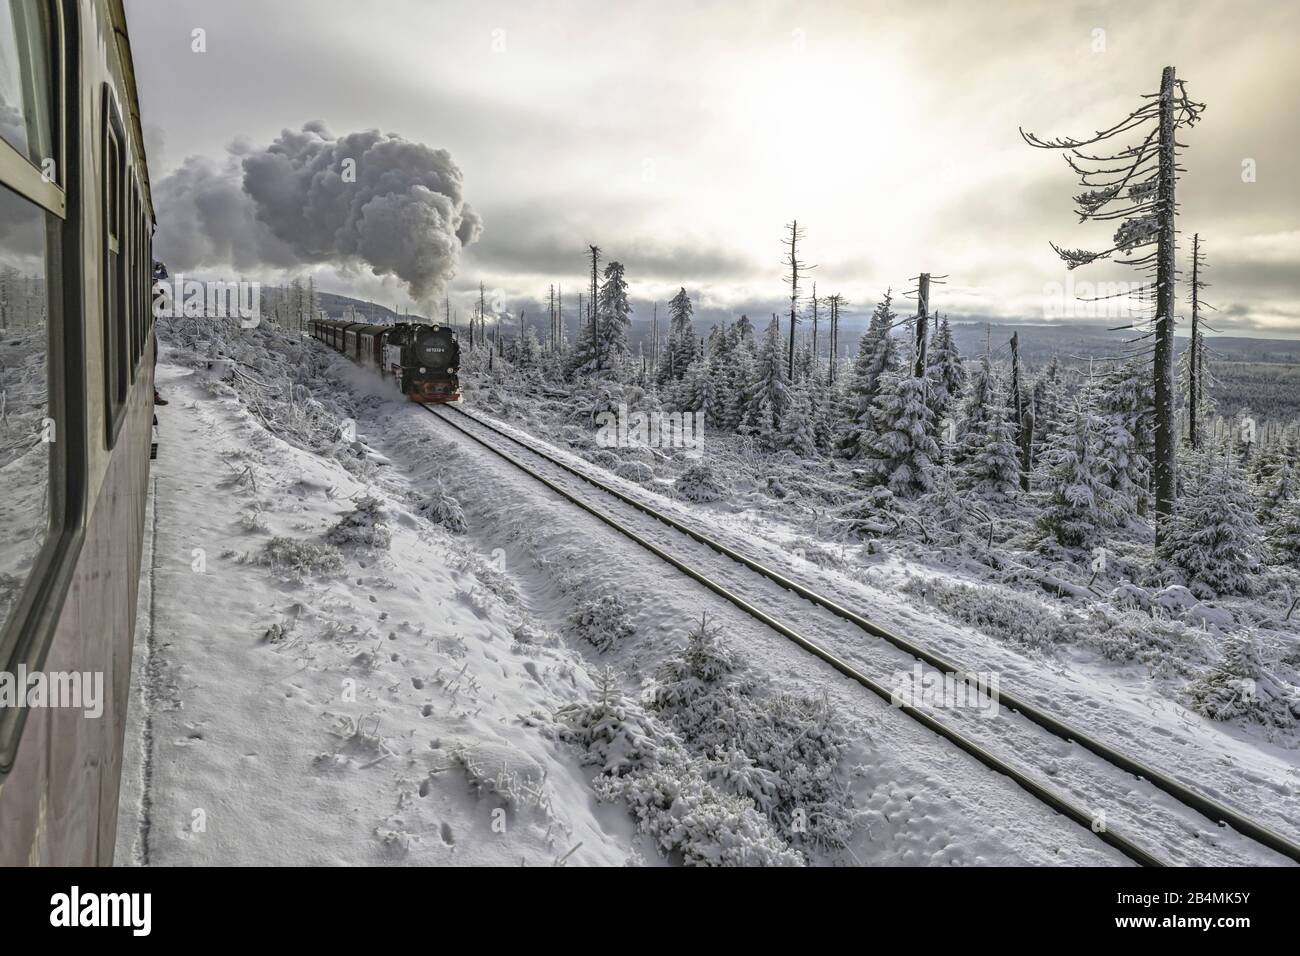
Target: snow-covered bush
[(699, 482), (665, 788), (871, 514), (782, 752), (997, 611), (253, 519), (1167, 647), (676, 805), (637, 471), (1239, 685), (365, 525), (603, 622), (300, 557), (699, 666), (272, 373), (443, 508), (614, 732)]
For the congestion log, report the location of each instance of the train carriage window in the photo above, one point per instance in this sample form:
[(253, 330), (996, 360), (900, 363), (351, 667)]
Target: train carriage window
[(145, 271), (116, 253), (127, 251), (27, 90), (31, 237), (132, 316), (29, 243)]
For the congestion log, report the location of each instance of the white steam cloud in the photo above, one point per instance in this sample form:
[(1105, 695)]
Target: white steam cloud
[(364, 198)]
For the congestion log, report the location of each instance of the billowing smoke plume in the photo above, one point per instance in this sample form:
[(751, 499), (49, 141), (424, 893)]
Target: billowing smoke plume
[(364, 198)]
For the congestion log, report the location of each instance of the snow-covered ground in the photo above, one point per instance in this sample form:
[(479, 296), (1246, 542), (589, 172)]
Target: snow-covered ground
[(401, 649), (1124, 663), (351, 704)]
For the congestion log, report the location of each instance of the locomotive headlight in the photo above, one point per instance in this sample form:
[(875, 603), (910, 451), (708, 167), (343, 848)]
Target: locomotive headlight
[(423, 370)]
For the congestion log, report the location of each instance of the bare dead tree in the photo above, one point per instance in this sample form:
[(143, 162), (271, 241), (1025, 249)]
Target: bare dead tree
[(1196, 381), (654, 335), (794, 235), (595, 337), (814, 327), (835, 302), (1134, 186), (1023, 415), (482, 319), (550, 314)]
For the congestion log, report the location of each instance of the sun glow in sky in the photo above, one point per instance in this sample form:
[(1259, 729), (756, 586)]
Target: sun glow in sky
[(681, 137)]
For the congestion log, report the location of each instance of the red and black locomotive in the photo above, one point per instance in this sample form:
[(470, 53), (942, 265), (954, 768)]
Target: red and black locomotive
[(424, 360)]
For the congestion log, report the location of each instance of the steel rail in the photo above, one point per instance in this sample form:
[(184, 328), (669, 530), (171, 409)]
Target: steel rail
[(1067, 809), (1211, 809)]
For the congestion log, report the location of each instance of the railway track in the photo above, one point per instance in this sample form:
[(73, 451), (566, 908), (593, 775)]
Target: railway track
[(1131, 771)]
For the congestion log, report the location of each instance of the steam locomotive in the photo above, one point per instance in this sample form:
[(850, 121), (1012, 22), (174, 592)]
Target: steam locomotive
[(424, 360)]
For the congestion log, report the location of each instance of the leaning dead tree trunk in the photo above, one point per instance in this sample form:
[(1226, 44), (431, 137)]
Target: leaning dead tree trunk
[(1134, 185), (1166, 462)]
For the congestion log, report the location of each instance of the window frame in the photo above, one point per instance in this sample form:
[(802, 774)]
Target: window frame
[(114, 235), (26, 634)]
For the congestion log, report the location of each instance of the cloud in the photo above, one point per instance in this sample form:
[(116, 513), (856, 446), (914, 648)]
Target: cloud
[(365, 198)]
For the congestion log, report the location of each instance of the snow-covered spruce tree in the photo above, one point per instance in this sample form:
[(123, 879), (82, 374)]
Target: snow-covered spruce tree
[(946, 507), (821, 402), (1239, 685), (973, 426), (1125, 406), (1213, 538), (699, 482), (797, 432), (877, 356), (603, 621), (365, 525), (1075, 493), (903, 451), (1283, 534), (1135, 186), (681, 338), (704, 390), (738, 377), (441, 506), (1049, 403), (716, 403), (614, 313), (990, 458), (945, 373), (1282, 486), (770, 394)]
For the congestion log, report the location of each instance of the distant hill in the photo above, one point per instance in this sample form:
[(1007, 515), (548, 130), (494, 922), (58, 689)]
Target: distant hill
[(336, 306), (1260, 374)]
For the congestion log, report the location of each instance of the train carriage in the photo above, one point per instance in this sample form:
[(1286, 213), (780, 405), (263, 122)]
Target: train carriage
[(76, 369)]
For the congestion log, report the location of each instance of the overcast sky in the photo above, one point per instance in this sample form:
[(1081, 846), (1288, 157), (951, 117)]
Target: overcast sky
[(681, 137)]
